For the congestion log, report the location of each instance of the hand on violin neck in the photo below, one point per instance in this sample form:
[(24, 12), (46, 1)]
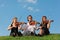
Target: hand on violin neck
[(51, 21)]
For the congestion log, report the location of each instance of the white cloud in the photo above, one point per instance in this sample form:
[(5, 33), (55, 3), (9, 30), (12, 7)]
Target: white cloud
[(30, 8), (29, 1), (25, 4), (32, 1), (37, 10)]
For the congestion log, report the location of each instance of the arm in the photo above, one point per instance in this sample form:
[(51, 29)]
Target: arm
[(49, 22), (40, 27), (9, 27), (48, 25), (22, 23), (36, 22), (19, 27)]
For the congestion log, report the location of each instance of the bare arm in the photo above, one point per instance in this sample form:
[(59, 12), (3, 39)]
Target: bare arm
[(22, 23), (48, 25), (19, 27), (9, 27)]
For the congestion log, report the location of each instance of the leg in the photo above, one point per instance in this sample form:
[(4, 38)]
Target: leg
[(12, 34), (41, 32), (47, 32), (19, 34), (32, 33)]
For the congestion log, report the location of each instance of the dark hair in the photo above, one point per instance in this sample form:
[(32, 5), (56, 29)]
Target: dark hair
[(29, 16), (45, 17)]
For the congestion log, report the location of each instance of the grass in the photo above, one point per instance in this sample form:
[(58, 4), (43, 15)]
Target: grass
[(48, 37)]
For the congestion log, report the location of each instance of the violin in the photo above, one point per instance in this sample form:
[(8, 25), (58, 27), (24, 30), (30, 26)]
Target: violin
[(32, 23), (48, 21), (17, 23)]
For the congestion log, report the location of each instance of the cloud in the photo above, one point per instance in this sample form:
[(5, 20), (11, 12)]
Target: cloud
[(29, 5), (32, 9), (32, 1), (28, 1), (37, 10), (24, 6)]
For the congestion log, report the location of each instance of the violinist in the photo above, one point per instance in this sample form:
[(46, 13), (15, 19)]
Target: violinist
[(31, 26), (44, 26), (14, 27)]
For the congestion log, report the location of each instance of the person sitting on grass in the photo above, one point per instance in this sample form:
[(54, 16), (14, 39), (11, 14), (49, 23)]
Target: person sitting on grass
[(14, 27), (44, 26), (30, 27)]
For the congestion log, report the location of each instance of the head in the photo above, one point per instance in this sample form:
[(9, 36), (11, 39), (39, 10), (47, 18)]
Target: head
[(44, 18), (29, 18), (14, 20)]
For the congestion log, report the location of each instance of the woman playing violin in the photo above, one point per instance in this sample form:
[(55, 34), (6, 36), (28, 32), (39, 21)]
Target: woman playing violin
[(44, 26), (31, 26), (14, 27)]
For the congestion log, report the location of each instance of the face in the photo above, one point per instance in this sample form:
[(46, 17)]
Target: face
[(44, 19), (29, 18)]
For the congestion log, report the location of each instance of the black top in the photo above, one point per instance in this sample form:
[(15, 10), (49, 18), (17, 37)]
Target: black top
[(14, 29), (44, 25)]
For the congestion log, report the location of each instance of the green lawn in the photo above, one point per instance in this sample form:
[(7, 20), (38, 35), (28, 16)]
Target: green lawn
[(48, 37)]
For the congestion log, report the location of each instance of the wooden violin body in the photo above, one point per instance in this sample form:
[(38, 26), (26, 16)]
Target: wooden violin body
[(19, 23), (32, 23), (16, 24)]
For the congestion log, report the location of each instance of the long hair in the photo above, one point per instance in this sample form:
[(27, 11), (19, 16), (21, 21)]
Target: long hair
[(13, 20), (43, 17)]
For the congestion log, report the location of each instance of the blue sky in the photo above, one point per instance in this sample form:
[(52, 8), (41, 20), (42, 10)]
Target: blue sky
[(23, 8)]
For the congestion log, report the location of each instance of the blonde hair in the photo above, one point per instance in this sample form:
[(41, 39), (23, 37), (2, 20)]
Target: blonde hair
[(13, 19)]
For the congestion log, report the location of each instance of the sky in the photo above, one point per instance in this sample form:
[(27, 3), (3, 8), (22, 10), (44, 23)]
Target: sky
[(22, 8)]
